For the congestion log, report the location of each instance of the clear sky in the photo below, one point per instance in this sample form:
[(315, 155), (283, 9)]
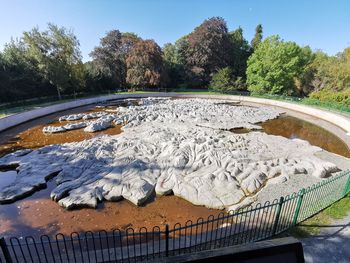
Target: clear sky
[(321, 24)]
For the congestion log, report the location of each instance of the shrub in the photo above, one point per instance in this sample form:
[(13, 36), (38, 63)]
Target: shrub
[(325, 95), (224, 81)]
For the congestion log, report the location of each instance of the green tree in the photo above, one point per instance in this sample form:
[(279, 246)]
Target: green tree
[(224, 81), (19, 78), (331, 77), (257, 37), (54, 52), (303, 82), (145, 67), (274, 65), (240, 52)]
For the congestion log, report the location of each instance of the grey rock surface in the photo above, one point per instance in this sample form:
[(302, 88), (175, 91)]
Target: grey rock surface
[(169, 146)]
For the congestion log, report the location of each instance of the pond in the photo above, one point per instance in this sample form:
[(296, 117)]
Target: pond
[(38, 214)]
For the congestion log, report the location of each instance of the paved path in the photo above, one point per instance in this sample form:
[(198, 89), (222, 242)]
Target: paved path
[(331, 245)]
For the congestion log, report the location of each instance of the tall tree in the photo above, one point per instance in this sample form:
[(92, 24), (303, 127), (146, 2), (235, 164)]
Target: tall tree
[(20, 77), (145, 67), (109, 58), (209, 48), (55, 51), (240, 52), (257, 37), (274, 65)]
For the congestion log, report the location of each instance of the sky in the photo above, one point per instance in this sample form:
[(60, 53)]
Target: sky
[(321, 24)]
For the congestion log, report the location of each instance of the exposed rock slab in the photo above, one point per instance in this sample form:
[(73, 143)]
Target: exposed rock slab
[(169, 146)]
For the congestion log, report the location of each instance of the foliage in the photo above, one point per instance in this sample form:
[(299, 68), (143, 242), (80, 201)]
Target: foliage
[(331, 78), (174, 67), (257, 37), (54, 52), (240, 52), (225, 82), (109, 65), (208, 49), (42, 63), (274, 66), (19, 78), (325, 95), (145, 65)]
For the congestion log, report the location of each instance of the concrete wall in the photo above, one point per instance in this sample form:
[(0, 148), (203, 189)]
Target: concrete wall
[(336, 119)]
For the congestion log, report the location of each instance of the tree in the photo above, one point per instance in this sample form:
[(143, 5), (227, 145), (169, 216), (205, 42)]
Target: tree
[(274, 65), (240, 52), (109, 58), (303, 82), (331, 77), (19, 76), (257, 37), (224, 81), (54, 52), (145, 67), (209, 48)]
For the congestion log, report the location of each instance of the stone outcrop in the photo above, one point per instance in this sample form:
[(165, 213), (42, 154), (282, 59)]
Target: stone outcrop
[(168, 146)]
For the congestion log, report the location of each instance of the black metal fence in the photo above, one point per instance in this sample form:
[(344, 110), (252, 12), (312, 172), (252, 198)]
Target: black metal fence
[(226, 229)]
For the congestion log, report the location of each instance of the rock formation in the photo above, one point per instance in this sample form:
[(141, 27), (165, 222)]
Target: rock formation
[(179, 147)]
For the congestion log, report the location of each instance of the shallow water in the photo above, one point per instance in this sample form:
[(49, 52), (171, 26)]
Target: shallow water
[(37, 214), (292, 128)]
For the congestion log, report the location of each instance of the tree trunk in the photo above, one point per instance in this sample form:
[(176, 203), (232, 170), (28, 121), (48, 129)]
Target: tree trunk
[(59, 93)]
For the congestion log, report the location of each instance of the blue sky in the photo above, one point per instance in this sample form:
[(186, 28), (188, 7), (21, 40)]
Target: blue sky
[(321, 24)]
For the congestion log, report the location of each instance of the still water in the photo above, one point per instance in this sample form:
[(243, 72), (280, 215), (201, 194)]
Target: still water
[(37, 214)]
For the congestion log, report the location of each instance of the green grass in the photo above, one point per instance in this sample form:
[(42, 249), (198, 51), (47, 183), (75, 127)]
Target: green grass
[(313, 225)]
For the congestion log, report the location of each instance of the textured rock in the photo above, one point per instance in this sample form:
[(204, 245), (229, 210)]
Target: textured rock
[(216, 114), (98, 125), (54, 129), (169, 146)]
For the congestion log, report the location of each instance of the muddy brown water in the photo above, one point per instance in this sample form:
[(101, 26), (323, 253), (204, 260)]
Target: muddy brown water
[(38, 214), (291, 127)]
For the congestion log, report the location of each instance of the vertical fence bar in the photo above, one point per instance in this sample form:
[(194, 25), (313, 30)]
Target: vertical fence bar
[(278, 214), (167, 240), (347, 185), (297, 210), (5, 250)]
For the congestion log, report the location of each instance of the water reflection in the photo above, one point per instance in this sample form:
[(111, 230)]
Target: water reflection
[(294, 128)]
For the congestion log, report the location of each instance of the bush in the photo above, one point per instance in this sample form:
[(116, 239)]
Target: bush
[(224, 81), (341, 97)]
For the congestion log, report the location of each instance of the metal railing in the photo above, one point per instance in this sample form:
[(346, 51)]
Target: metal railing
[(236, 227)]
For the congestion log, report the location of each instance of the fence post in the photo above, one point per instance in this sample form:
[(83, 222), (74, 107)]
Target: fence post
[(347, 185), (5, 250), (297, 210), (166, 240), (278, 214)]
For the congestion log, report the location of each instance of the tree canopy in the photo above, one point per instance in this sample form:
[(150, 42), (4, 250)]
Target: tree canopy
[(145, 65), (209, 48), (274, 66), (54, 52), (46, 62)]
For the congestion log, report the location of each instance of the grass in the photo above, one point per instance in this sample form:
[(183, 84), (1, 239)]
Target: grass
[(313, 225)]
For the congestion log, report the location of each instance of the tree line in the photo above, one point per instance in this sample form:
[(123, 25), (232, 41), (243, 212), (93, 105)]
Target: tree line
[(49, 63)]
